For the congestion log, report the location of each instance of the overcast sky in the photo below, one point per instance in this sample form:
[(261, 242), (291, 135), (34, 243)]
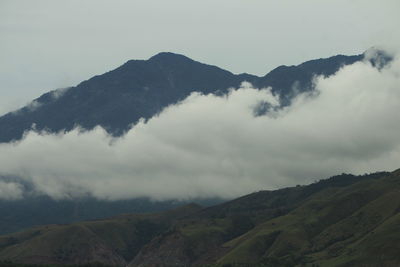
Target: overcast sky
[(48, 44)]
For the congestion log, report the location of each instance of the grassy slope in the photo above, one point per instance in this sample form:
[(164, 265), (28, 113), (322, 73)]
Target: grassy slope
[(281, 222), (113, 241), (347, 226), (342, 221)]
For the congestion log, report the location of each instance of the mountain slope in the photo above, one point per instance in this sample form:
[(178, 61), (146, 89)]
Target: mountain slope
[(142, 88), (16, 215), (111, 241), (289, 80), (333, 228), (342, 221), (282, 230)]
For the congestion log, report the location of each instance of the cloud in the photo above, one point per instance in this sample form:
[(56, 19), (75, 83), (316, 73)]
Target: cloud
[(10, 190), (208, 146), (56, 94), (33, 105)]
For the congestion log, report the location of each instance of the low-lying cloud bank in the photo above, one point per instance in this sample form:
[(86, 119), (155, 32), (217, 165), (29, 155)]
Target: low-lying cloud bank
[(209, 146)]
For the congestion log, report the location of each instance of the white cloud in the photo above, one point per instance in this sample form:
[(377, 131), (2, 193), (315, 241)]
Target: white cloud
[(10, 190), (56, 94), (213, 146), (33, 105)]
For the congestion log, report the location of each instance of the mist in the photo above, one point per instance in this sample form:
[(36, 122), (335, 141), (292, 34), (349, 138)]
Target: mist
[(213, 146)]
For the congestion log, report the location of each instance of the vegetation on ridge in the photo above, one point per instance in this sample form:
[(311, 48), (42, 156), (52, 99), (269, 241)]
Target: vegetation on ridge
[(342, 221)]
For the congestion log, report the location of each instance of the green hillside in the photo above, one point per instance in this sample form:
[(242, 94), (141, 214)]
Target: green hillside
[(330, 223), (351, 226), (342, 221), (113, 241)]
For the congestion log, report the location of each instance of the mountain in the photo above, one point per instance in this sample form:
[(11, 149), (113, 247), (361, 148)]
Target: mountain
[(142, 88), (100, 242), (345, 220), (216, 235), (34, 210), (115, 100)]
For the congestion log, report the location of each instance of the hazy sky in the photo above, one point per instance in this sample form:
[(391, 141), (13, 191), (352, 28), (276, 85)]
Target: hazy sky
[(48, 44)]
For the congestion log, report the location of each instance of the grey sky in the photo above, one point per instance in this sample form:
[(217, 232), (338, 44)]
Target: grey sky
[(48, 44)]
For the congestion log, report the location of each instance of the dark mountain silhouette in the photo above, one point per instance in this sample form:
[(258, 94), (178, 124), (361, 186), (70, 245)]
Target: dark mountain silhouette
[(142, 88)]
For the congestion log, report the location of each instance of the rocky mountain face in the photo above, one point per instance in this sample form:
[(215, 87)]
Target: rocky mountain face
[(345, 220), (142, 88)]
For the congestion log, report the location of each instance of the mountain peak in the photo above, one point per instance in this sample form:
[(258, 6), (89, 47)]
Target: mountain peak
[(142, 88), (378, 57), (169, 56)]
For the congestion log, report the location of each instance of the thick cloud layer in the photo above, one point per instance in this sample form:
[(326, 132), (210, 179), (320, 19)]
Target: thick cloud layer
[(210, 146)]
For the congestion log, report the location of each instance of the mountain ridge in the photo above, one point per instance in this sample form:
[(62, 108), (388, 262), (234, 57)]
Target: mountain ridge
[(117, 99), (332, 222)]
